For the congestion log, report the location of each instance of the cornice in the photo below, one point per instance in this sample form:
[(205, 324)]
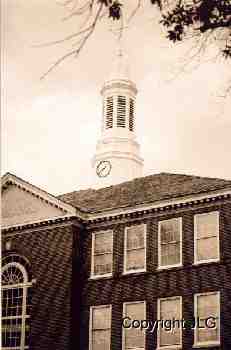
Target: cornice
[(40, 224), (137, 211), (163, 206), (118, 84)]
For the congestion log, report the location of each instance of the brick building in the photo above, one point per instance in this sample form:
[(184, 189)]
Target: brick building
[(78, 270)]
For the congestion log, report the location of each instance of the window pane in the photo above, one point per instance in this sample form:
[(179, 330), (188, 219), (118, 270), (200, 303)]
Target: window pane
[(170, 338), (208, 334), (208, 306), (207, 248), (134, 338), (170, 254), (102, 251), (103, 242), (11, 332), (135, 310), (170, 309), (27, 331), (101, 340), (207, 225), (101, 318), (135, 237), (101, 324), (135, 259), (170, 232), (103, 264)]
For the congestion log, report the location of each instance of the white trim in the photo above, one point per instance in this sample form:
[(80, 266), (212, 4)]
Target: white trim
[(53, 218), (39, 193), (129, 210), (90, 322), (125, 271), (167, 347), (163, 267), (23, 316), (157, 204), (197, 262), (15, 348), (207, 343), (123, 329), (93, 276)]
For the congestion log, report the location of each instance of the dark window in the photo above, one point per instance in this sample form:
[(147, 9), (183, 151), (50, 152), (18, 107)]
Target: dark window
[(131, 115), (109, 112), (121, 112)]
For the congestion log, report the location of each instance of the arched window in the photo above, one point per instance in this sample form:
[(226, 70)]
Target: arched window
[(16, 304)]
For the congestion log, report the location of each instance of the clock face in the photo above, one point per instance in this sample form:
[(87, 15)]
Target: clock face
[(103, 168)]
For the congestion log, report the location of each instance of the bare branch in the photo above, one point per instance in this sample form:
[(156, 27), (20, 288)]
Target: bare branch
[(75, 52), (135, 10)]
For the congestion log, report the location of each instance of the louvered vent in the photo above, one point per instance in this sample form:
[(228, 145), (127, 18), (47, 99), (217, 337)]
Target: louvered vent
[(121, 112), (109, 112), (131, 115)]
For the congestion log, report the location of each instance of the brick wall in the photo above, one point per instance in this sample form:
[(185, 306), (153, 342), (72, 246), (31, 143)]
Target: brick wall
[(153, 284), (53, 254)]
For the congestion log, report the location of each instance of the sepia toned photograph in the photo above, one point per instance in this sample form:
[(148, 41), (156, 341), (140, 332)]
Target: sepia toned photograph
[(116, 175)]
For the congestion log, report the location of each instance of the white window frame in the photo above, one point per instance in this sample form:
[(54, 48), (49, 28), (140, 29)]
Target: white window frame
[(163, 267), (25, 285), (94, 276), (91, 318), (206, 343), (125, 271), (197, 262), (168, 347), (124, 314)]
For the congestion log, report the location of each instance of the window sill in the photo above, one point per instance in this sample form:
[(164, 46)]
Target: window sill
[(168, 267), (133, 272), (205, 262), (92, 278), (206, 345), (170, 347)]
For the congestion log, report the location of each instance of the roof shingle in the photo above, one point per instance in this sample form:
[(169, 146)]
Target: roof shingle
[(143, 190)]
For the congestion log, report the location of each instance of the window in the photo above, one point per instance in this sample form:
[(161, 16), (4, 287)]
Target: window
[(170, 309), (121, 112), (102, 248), (131, 115), (100, 327), (170, 243), (134, 338), (109, 112), (135, 248), (16, 304), (207, 309), (206, 233)]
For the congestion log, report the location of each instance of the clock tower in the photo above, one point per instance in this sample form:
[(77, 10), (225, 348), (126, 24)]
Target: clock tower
[(117, 157)]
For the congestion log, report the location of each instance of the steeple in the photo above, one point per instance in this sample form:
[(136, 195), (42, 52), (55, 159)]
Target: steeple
[(117, 156), (120, 67)]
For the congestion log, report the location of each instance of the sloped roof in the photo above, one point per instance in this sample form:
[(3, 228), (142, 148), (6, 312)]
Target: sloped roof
[(144, 190)]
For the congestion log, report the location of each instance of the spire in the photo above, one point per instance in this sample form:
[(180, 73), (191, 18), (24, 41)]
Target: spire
[(120, 69)]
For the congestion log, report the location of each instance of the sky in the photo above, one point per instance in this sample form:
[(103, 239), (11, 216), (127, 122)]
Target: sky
[(50, 127)]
